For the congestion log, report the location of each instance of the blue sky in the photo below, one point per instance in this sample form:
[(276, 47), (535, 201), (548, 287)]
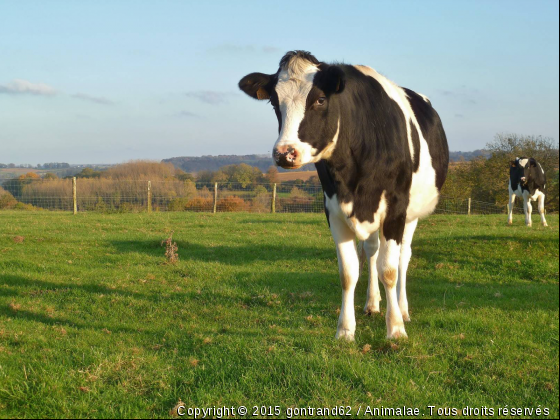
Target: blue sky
[(110, 81)]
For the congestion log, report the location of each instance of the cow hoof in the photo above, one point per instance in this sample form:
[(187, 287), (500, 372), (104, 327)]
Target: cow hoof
[(371, 309), (397, 333), (346, 335)]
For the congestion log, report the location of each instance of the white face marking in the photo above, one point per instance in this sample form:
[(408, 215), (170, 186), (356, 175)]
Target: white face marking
[(293, 87)]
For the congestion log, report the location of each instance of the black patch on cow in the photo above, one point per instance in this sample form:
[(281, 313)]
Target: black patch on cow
[(433, 133), (515, 174), (415, 146), (274, 101), (536, 178), (327, 182)]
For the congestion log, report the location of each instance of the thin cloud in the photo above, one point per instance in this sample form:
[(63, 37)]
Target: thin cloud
[(187, 114), (94, 99), (22, 87), (465, 95), (210, 96)]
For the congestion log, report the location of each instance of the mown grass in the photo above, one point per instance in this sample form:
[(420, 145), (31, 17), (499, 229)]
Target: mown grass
[(94, 323)]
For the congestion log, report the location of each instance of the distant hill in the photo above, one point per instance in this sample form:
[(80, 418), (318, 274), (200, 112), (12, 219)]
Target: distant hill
[(213, 163), (466, 156), (194, 164)]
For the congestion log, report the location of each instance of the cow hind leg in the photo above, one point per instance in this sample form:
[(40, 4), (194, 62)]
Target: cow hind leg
[(406, 254), (371, 247), (387, 266), (348, 267), (541, 209)]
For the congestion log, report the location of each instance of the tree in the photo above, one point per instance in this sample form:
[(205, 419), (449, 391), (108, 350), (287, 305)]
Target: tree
[(50, 176), (272, 175)]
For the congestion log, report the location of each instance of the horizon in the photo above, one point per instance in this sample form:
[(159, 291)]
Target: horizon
[(118, 81)]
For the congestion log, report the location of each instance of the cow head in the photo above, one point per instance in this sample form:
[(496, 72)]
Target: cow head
[(303, 93), (517, 171)]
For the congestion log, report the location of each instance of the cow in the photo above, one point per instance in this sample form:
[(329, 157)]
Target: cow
[(527, 180), (382, 157)]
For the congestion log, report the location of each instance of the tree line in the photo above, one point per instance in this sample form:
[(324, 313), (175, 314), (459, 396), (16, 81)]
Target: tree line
[(484, 179)]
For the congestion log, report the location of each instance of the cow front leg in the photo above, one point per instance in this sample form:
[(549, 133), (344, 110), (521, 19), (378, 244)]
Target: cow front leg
[(371, 247), (510, 207), (387, 266), (541, 209), (348, 267), (406, 254)]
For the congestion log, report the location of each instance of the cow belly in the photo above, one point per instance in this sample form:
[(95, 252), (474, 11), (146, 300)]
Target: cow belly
[(363, 230)]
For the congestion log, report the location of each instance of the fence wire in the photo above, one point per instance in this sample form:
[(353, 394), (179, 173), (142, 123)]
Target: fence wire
[(113, 195)]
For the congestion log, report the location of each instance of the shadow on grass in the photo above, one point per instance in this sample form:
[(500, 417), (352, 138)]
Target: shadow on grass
[(231, 255), (283, 222)]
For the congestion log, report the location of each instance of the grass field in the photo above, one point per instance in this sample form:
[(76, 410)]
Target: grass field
[(94, 323)]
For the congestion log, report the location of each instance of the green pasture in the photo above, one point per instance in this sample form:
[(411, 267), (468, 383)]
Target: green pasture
[(95, 323)]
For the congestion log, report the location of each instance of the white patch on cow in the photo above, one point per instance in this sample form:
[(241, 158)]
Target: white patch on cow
[(363, 230), (426, 99), (294, 84), (424, 194), (523, 162)]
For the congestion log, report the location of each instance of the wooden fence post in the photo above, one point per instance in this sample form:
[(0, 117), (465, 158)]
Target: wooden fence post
[(469, 210), (215, 196), (74, 196), (273, 202), (149, 196)]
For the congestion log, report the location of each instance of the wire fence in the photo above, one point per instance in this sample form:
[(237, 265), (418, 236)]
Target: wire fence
[(113, 195)]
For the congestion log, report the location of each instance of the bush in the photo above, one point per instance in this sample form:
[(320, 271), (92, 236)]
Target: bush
[(7, 200), (200, 204), (231, 203)]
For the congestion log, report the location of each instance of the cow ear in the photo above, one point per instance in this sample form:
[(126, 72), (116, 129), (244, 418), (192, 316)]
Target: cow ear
[(256, 85), (533, 163)]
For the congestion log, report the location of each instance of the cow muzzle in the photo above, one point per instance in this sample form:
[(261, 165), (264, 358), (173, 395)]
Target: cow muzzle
[(287, 157), (523, 180)]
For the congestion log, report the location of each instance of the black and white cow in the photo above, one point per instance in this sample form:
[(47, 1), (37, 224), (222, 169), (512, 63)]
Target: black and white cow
[(381, 155), (527, 180)]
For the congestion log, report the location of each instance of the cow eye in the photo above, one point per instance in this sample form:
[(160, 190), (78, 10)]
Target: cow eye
[(321, 101)]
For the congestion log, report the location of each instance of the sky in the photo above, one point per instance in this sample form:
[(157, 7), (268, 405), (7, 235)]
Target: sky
[(112, 81)]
